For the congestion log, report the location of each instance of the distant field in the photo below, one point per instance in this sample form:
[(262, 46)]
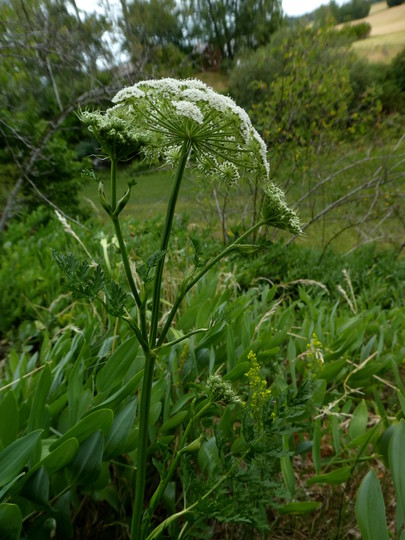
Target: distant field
[(387, 36)]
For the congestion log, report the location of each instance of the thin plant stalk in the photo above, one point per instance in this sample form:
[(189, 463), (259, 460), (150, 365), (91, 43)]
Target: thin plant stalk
[(151, 356), (164, 482), (185, 151)]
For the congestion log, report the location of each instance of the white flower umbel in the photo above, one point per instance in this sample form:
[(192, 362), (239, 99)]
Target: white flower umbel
[(170, 112)]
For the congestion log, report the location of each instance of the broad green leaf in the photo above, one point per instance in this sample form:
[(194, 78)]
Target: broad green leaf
[(100, 420), (86, 466), (61, 456), (401, 398), (396, 458), (36, 489), (16, 456), (297, 508), (287, 470), (120, 429), (174, 421), (237, 372), (154, 413), (358, 423), (332, 369), (39, 415), (370, 509), (117, 366), (9, 419), (75, 392), (383, 443), (180, 403), (10, 522), (4, 491), (335, 477), (118, 396), (208, 457)]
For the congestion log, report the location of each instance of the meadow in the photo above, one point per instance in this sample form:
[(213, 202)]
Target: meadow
[(387, 36), (185, 352)]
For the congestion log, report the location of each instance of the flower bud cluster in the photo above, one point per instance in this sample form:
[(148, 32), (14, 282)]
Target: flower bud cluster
[(221, 391), (275, 211)]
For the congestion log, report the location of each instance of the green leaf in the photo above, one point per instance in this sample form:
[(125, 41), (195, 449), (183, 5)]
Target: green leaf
[(9, 419), (297, 508), (358, 424), (287, 470), (39, 415), (36, 489), (61, 456), (117, 366), (335, 477), (10, 522), (401, 401), (98, 420), (237, 372), (116, 298), (396, 460), (118, 396), (208, 457), (370, 509), (120, 429), (174, 421), (16, 456), (86, 467)]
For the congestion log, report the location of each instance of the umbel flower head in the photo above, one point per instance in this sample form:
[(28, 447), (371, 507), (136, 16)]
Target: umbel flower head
[(169, 113), (165, 118)]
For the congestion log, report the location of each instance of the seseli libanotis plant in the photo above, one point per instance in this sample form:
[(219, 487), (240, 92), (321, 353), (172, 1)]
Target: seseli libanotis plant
[(183, 123)]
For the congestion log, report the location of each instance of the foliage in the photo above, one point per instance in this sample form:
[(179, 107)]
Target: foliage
[(232, 25), (154, 37), (356, 31), (349, 11), (289, 88), (48, 61)]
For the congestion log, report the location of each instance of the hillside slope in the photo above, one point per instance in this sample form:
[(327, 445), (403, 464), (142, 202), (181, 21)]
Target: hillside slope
[(387, 36)]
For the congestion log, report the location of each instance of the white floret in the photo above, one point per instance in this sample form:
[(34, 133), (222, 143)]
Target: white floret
[(190, 110), (128, 93)]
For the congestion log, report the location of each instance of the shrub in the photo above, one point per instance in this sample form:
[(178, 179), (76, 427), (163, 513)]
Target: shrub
[(393, 3)]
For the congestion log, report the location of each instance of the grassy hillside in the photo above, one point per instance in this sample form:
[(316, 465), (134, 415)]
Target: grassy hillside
[(387, 36)]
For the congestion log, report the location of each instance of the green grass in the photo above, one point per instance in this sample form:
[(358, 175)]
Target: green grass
[(342, 227)]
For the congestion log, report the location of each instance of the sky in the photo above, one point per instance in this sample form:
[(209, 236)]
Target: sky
[(299, 7), (290, 7)]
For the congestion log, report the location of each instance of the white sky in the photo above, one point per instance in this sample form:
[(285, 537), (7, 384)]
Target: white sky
[(291, 7), (299, 7)]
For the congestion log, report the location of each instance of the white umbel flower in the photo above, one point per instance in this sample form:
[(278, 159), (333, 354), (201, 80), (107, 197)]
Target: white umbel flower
[(172, 111)]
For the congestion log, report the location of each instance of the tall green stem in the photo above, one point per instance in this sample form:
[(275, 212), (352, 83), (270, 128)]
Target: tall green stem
[(123, 249), (165, 481), (142, 447), (185, 151), (113, 184)]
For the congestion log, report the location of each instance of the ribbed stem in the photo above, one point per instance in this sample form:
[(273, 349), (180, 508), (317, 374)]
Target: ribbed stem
[(142, 447), (185, 151)]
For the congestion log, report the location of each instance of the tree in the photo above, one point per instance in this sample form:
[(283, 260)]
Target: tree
[(154, 37), (49, 65), (232, 25)]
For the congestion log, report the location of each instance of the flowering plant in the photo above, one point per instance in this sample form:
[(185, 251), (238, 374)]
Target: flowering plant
[(184, 123)]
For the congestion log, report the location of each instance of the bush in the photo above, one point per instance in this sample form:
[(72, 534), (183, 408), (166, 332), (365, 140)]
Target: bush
[(356, 31), (393, 3)]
